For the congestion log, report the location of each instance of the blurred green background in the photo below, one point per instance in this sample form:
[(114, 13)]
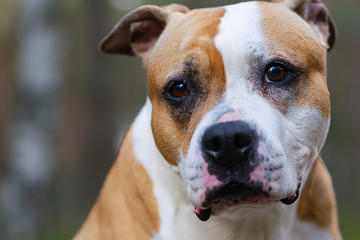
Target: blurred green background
[(64, 108)]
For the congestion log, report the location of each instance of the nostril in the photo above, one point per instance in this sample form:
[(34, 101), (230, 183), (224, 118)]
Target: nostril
[(242, 140), (228, 143), (213, 144)]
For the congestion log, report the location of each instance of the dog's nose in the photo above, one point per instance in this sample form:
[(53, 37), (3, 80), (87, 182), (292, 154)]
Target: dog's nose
[(228, 143)]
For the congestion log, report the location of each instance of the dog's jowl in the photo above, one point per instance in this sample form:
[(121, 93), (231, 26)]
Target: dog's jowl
[(228, 143)]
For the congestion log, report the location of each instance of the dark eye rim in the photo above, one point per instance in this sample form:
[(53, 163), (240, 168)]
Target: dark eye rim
[(178, 101), (292, 72), (173, 84), (276, 65)]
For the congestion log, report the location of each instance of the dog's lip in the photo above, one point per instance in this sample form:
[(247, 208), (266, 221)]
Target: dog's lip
[(248, 198), (235, 193), (293, 197), (202, 214)]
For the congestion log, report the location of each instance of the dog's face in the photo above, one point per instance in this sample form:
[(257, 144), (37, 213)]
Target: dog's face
[(239, 98)]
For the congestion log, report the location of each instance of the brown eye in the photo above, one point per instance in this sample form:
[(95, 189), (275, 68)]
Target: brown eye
[(276, 73), (178, 90)]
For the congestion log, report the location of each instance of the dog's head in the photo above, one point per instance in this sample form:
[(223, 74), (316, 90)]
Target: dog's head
[(239, 95)]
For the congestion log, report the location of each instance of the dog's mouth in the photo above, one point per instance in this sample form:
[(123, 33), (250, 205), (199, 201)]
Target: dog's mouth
[(236, 194)]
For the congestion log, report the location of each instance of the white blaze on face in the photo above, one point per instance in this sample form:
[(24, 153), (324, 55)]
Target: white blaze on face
[(239, 33), (240, 41)]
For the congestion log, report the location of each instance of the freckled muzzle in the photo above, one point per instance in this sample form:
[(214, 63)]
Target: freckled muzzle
[(235, 193), (231, 151)]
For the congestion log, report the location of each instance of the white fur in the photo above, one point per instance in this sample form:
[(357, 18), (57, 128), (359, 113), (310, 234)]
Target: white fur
[(309, 231), (168, 189), (239, 31)]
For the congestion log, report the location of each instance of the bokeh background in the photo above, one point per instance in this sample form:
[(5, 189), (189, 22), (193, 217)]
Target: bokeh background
[(64, 108)]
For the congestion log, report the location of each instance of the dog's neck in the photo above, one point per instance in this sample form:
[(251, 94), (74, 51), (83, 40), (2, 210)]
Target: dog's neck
[(275, 222)]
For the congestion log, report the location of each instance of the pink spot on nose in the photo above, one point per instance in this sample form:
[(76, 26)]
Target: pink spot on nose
[(205, 181), (230, 117), (210, 181), (258, 174)]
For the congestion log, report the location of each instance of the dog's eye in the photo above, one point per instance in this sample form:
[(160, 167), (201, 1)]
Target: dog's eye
[(178, 90), (276, 73)]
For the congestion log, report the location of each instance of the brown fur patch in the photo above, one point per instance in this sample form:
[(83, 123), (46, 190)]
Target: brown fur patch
[(181, 41), (300, 45), (317, 201), (126, 207)]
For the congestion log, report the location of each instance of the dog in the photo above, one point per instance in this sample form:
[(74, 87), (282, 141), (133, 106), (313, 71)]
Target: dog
[(228, 143)]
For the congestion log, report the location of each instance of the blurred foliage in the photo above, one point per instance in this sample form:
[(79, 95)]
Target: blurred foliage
[(100, 95), (349, 227)]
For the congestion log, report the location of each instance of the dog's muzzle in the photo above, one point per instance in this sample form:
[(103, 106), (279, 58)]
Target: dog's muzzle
[(230, 149), (231, 152)]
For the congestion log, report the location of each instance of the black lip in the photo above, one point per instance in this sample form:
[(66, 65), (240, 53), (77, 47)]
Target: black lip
[(235, 191), (204, 214), (288, 201)]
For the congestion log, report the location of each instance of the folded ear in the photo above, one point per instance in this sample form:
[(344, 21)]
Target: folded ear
[(138, 31), (317, 15)]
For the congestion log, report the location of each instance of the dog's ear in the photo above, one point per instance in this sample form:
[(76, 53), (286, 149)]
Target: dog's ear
[(317, 15), (138, 31)]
